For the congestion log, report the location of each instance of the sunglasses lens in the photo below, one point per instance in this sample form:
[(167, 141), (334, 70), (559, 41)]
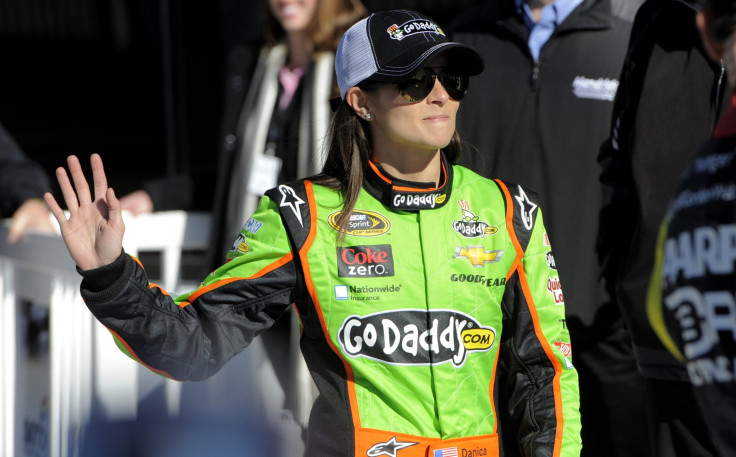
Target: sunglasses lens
[(418, 86), (456, 86), (421, 84)]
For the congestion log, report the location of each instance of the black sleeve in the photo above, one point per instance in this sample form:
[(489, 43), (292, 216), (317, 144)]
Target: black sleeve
[(620, 201), (619, 208), (191, 336)]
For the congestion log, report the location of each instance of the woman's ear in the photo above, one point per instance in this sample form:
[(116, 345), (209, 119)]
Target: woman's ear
[(358, 101), (704, 21)]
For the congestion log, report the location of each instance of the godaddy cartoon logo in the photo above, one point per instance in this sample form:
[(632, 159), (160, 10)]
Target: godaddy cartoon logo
[(470, 225), (395, 32), (415, 337), (399, 32)]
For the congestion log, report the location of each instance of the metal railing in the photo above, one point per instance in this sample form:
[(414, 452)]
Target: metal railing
[(64, 384)]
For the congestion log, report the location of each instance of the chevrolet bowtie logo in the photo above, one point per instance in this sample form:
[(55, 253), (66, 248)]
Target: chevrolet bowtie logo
[(477, 255)]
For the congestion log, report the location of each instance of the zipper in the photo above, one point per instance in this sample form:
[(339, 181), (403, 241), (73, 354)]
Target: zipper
[(718, 96), (534, 76)]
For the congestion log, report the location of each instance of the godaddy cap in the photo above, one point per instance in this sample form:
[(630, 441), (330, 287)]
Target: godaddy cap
[(390, 46)]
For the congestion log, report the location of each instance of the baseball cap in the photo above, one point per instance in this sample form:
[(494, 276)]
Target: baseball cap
[(389, 46)]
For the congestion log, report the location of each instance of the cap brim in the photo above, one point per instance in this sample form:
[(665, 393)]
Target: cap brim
[(463, 60)]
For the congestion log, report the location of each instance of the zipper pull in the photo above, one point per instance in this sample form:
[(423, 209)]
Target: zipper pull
[(534, 77)]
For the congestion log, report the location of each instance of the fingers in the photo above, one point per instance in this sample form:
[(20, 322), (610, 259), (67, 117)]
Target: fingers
[(114, 207), (54, 207), (98, 176), (70, 197), (79, 193), (80, 182), (16, 229), (32, 214)]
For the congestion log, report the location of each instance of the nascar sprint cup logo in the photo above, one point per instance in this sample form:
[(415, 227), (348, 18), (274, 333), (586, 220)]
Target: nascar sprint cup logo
[(415, 337), (362, 223)]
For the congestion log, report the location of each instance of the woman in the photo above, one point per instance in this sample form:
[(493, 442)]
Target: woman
[(417, 282), (275, 133), (275, 117)]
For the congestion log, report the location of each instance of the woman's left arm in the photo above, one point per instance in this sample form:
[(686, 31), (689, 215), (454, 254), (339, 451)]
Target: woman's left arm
[(541, 386)]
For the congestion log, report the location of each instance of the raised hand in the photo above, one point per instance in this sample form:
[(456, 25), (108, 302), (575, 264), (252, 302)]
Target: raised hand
[(94, 231)]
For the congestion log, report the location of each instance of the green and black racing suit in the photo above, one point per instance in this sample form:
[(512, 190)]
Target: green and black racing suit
[(441, 309)]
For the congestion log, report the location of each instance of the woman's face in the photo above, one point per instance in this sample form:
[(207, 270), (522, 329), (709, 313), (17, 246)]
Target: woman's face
[(401, 126), (293, 15)]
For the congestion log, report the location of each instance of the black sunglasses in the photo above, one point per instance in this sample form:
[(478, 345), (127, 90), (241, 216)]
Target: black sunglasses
[(419, 86)]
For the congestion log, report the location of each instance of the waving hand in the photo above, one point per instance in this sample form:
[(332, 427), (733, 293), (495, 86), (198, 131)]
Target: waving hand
[(94, 231)]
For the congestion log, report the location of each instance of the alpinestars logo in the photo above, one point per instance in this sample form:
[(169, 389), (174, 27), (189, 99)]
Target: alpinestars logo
[(527, 208), (415, 337), (290, 199), (389, 448)]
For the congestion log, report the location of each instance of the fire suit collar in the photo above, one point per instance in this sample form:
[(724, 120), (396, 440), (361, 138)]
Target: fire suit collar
[(402, 195)]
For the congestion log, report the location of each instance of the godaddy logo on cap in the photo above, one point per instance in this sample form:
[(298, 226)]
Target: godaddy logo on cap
[(399, 32)]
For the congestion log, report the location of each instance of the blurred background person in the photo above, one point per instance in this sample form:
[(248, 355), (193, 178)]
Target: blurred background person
[(22, 185), (277, 104), (275, 115), (691, 296), (538, 116), (667, 105), (275, 119)]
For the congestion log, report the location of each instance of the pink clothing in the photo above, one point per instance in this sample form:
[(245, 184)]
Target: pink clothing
[(289, 80)]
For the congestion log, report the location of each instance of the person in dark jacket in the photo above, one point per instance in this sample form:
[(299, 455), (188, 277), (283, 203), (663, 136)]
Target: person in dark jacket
[(666, 107), (540, 112), (22, 184), (691, 301)]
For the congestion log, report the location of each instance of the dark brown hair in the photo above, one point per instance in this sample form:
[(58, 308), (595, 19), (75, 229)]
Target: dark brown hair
[(348, 156), (330, 21)]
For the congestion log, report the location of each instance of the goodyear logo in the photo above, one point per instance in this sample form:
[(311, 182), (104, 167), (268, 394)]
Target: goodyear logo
[(478, 279), (477, 255), (415, 337), (362, 223)]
